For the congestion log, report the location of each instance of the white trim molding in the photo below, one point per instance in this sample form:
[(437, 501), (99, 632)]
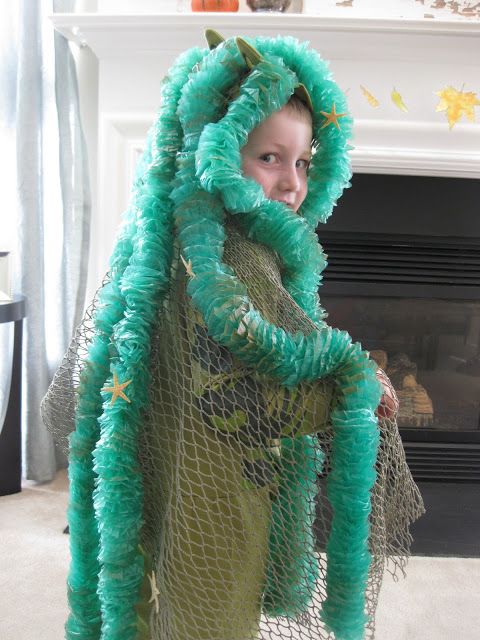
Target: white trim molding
[(416, 148), (121, 140)]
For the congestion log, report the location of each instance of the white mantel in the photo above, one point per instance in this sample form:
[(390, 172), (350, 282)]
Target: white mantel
[(417, 57)]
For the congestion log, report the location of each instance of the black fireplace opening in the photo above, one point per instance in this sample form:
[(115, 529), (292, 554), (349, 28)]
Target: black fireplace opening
[(403, 278), (430, 350)]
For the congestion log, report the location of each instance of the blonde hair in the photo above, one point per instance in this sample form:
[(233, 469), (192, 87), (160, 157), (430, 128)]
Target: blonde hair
[(298, 106)]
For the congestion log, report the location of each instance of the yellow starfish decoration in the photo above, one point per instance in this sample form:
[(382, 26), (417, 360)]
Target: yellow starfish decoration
[(155, 592), (188, 267), (332, 117), (457, 103), (117, 389)]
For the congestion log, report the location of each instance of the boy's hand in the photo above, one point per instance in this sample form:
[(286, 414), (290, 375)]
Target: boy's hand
[(388, 406)]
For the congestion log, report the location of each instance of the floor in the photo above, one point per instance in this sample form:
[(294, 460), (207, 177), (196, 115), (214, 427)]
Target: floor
[(438, 600)]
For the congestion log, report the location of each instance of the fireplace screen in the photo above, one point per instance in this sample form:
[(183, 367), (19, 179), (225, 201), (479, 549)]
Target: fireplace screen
[(430, 348)]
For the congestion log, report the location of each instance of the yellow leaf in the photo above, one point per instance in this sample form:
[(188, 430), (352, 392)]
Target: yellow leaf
[(372, 101), (398, 100), (457, 104)]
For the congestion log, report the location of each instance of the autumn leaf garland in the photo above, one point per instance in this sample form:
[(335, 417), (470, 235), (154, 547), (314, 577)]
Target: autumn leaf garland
[(455, 103)]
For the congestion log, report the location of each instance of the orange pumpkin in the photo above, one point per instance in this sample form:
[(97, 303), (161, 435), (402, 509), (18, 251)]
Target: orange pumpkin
[(214, 5)]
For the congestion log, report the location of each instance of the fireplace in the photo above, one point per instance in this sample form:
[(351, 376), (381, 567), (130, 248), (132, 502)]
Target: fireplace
[(404, 279)]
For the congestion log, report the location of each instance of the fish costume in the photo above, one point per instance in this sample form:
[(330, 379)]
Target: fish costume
[(204, 395)]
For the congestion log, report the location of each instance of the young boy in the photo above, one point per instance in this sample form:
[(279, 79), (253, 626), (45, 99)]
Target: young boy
[(278, 153), (206, 378)]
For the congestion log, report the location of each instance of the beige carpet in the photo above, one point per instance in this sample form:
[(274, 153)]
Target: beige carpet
[(439, 599)]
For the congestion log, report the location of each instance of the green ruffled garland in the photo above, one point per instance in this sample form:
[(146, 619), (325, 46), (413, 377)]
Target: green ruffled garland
[(105, 509), (293, 569), (207, 179)]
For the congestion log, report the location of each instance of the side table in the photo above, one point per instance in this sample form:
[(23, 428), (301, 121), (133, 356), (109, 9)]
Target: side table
[(11, 435)]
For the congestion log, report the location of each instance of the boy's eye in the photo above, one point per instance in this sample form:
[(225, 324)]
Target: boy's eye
[(303, 164), (268, 158)]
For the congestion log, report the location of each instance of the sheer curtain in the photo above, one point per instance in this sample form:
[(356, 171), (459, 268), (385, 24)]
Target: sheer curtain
[(46, 201)]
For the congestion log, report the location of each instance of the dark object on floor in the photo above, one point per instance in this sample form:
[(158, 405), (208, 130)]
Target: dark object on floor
[(67, 529), (10, 432)]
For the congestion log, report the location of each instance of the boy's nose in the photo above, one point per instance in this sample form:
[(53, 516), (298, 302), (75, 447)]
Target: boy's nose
[(289, 180)]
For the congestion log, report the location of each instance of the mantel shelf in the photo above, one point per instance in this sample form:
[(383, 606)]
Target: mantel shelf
[(417, 57), (155, 32)]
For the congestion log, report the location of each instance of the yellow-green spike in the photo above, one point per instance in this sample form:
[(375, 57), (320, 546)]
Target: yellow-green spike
[(213, 38)]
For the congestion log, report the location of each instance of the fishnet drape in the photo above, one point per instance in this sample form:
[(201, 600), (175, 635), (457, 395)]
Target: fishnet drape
[(212, 449)]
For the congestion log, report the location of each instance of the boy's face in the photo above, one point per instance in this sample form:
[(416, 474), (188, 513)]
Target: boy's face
[(277, 155)]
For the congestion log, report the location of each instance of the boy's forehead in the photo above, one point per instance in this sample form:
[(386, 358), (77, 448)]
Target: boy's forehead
[(285, 124)]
